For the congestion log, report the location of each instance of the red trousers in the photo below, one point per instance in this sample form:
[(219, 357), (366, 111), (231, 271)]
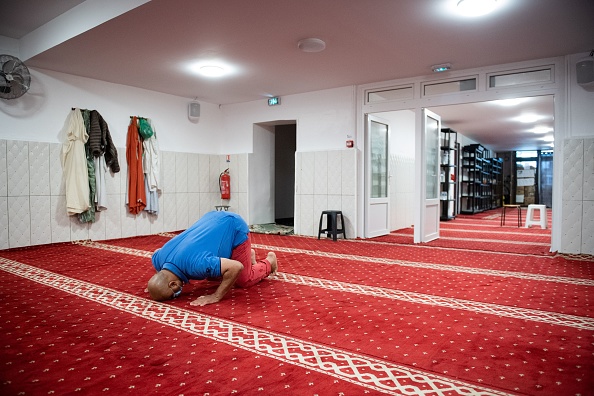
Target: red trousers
[(252, 273)]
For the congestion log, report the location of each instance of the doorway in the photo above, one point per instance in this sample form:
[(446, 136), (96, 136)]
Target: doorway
[(272, 175), (285, 145)]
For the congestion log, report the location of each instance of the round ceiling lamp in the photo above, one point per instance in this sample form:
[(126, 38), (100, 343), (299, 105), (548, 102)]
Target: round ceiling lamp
[(212, 71), (311, 45), (476, 7)]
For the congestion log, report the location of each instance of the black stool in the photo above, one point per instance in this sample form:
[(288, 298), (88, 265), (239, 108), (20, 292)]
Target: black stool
[(332, 224), (519, 207)]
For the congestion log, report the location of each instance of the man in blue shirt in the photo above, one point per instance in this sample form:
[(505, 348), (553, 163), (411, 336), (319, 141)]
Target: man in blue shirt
[(215, 247)]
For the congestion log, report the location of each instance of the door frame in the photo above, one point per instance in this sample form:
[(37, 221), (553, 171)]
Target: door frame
[(382, 201)]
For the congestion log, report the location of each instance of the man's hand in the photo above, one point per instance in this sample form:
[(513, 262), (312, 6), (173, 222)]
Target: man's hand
[(205, 300), (230, 270)]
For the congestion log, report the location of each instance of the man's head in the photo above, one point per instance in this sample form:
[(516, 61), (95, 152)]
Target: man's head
[(164, 285)]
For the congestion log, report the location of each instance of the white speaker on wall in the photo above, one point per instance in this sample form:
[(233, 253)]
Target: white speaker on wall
[(193, 111), (585, 73)]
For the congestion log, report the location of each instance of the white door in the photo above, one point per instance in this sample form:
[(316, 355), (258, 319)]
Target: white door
[(377, 198), (431, 127)]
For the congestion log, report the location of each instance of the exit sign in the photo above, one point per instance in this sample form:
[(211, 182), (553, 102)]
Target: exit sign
[(274, 101)]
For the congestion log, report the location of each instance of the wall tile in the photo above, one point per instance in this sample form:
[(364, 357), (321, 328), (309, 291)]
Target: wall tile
[(571, 238), (349, 172), (204, 177), (588, 228), (78, 231), (307, 173), (181, 172), (320, 204), (349, 211), (182, 209), (168, 171), (128, 221), (97, 230), (307, 215), (321, 172), (335, 172), (169, 212), (588, 170), (193, 173), (573, 165), (55, 170), (41, 221), (4, 223), (39, 168), (113, 215), (193, 208), (143, 223), (3, 170), (17, 159), (214, 172), (60, 221), (19, 221)]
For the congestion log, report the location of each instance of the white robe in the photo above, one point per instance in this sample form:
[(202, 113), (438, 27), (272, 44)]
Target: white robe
[(100, 183), (151, 169), (74, 165)]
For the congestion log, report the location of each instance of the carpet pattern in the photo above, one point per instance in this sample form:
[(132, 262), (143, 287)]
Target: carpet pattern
[(351, 317)]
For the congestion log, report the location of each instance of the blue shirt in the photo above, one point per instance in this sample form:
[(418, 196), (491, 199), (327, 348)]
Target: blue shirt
[(196, 253)]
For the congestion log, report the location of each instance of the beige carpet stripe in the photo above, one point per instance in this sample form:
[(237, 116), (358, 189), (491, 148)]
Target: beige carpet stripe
[(364, 371), (483, 240), (454, 303)]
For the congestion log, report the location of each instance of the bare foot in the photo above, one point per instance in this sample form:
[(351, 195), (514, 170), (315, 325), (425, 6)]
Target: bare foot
[(273, 262), (253, 257)]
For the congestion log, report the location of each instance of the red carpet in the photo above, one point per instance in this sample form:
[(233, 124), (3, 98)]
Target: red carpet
[(349, 317)]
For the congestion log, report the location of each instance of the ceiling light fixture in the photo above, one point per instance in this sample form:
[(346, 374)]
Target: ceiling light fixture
[(541, 129), (311, 45), (212, 71), (476, 7), (441, 68)]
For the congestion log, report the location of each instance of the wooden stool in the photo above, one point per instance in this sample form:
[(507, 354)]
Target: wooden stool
[(332, 224), (504, 207), (542, 221)]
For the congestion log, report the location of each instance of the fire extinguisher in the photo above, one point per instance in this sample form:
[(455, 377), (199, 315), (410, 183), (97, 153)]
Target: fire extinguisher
[(225, 184)]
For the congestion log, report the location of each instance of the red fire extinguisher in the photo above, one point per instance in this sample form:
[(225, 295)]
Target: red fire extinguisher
[(225, 184)]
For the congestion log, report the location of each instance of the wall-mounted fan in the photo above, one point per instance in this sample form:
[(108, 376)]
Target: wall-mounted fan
[(15, 78)]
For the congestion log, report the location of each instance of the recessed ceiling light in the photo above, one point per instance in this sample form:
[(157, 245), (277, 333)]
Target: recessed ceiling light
[(548, 139), (476, 7), (311, 45), (541, 129), (211, 71), (527, 118)]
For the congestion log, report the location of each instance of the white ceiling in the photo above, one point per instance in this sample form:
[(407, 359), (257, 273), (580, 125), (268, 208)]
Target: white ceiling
[(151, 45)]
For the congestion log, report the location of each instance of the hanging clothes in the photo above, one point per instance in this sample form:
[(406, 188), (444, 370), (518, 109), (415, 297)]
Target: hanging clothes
[(100, 183), (74, 165), (101, 143), (88, 216), (151, 168), (136, 187)]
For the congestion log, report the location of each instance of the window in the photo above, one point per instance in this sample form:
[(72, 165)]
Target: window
[(446, 87), (383, 95), (521, 77)]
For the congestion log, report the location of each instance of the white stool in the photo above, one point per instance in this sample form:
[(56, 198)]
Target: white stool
[(530, 216)]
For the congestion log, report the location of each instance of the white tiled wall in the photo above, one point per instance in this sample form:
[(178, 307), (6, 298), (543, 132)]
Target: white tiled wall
[(33, 203), (325, 180), (578, 196)]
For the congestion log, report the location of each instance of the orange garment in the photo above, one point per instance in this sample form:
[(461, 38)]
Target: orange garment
[(136, 188)]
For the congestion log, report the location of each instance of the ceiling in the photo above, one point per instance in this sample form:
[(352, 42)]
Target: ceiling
[(152, 44)]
